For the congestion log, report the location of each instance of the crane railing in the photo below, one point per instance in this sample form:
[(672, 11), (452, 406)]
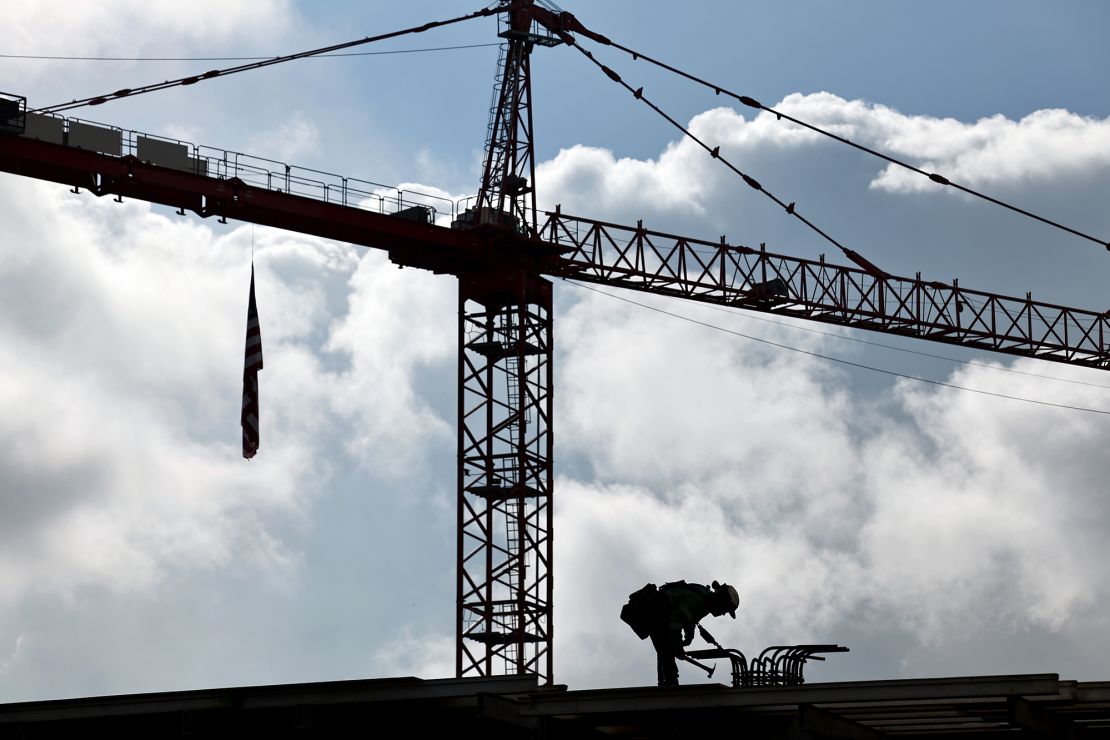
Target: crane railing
[(227, 164), (735, 275)]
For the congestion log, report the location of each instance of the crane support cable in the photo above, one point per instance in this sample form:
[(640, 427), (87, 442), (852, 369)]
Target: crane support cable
[(715, 152), (841, 360), (935, 177), (46, 57), (214, 73)]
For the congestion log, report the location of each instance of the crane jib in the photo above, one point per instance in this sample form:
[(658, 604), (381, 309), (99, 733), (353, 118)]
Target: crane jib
[(604, 253)]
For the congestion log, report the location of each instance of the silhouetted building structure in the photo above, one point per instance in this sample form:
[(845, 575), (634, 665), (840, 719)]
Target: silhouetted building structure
[(1022, 706)]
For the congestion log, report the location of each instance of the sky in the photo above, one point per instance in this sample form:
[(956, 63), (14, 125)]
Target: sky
[(934, 532)]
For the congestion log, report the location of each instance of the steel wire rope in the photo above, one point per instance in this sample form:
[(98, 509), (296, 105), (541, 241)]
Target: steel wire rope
[(840, 360), (214, 73), (238, 59), (935, 177), (715, 153)]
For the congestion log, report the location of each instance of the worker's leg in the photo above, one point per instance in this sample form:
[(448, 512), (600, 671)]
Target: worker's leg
[(668, 670), (666, 667)]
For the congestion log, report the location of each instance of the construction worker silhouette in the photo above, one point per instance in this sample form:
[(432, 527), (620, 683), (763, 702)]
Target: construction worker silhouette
[(668, 615)]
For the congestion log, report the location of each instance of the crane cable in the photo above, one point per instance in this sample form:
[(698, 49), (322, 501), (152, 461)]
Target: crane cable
[(935, 177), (715, 152), (46, 57), (214, 73), (841, 360)]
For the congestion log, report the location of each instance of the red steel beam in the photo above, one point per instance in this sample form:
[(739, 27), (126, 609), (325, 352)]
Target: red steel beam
[(433, 247)]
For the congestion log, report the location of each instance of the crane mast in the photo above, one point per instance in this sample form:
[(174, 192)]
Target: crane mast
[(507, 195), (500, 249), (506, 385)]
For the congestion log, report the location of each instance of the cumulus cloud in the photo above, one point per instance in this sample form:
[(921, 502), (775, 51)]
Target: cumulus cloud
[(126, 326), (1045, 147), (591, 180), (685, 186), (387, 338), (1006, 503), (101, 488), (748, 407)]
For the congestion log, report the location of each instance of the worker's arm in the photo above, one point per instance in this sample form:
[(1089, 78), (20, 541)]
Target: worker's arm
[(708, 637)]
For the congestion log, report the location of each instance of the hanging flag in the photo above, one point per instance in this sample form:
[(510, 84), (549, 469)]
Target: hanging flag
[(251, 365)]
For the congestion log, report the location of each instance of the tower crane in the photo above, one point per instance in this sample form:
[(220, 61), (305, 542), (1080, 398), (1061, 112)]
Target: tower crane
[(504, 251)]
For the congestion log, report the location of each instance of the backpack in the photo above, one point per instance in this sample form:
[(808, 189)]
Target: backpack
[(641, 610)]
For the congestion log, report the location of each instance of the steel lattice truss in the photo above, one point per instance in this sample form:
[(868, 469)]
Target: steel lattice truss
[(655, 262), (505, 467), (507, 181)]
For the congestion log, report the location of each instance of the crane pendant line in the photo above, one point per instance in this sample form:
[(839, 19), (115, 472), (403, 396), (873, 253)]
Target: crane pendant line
[(130, 92)]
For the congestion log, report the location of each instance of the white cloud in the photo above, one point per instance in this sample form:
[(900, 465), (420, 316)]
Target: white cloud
[(747, 406), (1007, 503), (126, 326), (1044, 146), (398, 322), (124, 30), (129, 352), (1047, 147), (589, 180)]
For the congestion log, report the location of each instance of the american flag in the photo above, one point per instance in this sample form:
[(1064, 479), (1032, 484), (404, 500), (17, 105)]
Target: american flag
[(251, 365)]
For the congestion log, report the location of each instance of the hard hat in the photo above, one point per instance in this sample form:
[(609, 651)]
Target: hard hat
[(733, 599), (729, 594)]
